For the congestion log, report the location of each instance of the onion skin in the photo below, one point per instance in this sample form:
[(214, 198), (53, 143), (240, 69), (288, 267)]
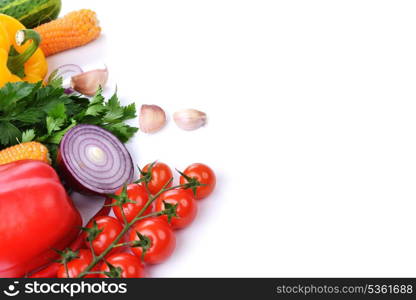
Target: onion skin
[(67, 161), (65, 72), (69, 91)]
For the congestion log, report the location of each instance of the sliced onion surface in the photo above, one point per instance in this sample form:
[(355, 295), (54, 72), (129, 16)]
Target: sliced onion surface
[(94, 161)]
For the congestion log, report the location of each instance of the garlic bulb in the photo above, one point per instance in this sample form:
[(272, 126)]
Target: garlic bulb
[(190, 119), (152, 118), (87, 83)]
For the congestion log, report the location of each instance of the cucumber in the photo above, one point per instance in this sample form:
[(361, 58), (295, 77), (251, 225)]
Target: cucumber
[(31, 13)]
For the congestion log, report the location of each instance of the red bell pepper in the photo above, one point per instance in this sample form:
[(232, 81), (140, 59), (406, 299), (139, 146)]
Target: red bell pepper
[(37, 216), (51, 270)]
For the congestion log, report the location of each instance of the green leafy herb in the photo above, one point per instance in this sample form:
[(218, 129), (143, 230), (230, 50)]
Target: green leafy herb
[(28, 135), (32, 112)]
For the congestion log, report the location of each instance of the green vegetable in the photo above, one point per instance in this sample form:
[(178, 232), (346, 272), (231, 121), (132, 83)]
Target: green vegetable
[(45, 113), (31, 13)]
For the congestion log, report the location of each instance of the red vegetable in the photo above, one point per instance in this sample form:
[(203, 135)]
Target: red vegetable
[(161, 237), (186, 210), (161, 174), (204, 175), (139, 195), (94, 161), (36, 216), (77, 265), (130, 265), (110, 228), (51, 270)]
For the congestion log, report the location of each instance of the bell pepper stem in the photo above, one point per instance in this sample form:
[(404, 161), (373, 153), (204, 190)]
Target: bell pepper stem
[(17, 62)]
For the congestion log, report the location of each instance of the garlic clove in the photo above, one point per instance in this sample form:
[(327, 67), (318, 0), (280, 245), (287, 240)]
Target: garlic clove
[(152, 118), (87, 83), (190, 119)]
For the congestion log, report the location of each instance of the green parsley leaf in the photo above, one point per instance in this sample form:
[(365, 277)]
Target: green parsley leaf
[(113, 102), (57, 136), (98, 97), (33, 112), (95, 110), (58, 111), (113, 115), (53, 124), (28, 136), (9, 134), (129, 111), (29, 116), (55, 81), (123, 131), (13, 92)]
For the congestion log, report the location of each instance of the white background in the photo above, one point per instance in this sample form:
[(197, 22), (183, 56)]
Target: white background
[(311, 130)]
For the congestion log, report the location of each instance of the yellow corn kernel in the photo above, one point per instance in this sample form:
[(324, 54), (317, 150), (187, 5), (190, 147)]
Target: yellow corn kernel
[(29, 150), (73, 30)]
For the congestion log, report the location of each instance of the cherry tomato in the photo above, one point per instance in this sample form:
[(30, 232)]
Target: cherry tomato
[(77, 265), (161, 173), (111, 228), (204, 175), (130, 264), (137, 193), (186, 210), (161, 236)]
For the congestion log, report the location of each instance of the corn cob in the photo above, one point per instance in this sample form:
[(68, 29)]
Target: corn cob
[(29, 150), (73, 30)]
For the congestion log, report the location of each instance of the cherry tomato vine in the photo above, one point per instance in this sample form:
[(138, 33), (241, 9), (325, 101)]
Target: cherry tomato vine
[(136, 226), (103, 248)]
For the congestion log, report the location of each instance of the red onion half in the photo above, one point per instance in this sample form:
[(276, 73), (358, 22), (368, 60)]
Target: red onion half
[(94, 161)]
